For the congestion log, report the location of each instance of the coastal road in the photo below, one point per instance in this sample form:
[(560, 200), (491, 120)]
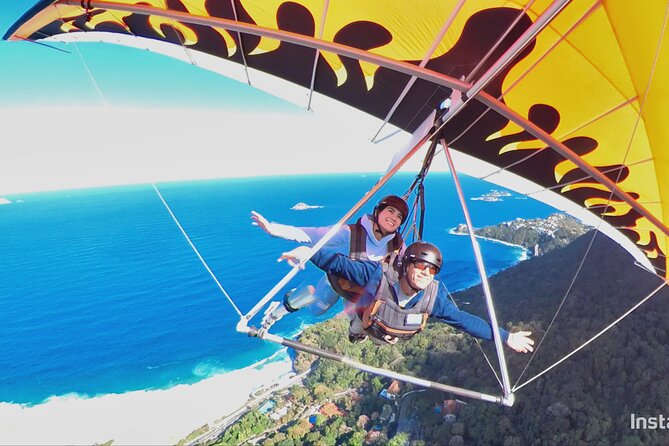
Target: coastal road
[(220, 425)]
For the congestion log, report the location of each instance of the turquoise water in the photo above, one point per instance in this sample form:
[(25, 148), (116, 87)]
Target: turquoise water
[(101, 293)]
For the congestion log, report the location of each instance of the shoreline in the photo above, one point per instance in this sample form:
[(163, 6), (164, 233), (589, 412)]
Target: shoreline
[(154, 417), (150, 417), (525, 255)]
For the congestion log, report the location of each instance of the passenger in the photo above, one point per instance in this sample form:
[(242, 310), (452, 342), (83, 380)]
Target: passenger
[(373, 237)]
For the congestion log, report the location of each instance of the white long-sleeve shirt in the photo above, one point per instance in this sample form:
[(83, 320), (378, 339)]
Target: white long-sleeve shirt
[(340, 242)]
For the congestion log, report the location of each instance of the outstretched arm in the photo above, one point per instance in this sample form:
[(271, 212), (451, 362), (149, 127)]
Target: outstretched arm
[(307, 235), (446, 311), (357, 271), (278, 230), (295, 256)]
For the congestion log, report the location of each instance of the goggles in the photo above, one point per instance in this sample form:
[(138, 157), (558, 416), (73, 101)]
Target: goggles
[(422, 266)]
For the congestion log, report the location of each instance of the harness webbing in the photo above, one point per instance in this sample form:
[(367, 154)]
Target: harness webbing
[(418, 208), (358, 245)]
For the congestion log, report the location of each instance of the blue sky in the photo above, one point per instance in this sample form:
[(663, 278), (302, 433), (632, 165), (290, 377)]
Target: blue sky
[(33, 74), (129, 120)]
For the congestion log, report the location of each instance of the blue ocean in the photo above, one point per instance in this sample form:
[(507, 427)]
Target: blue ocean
[(101, 292)]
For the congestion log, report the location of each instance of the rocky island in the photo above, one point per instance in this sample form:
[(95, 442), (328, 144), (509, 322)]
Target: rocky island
[(304, 206)]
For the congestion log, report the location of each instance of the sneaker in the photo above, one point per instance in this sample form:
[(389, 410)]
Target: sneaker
[(356, 338)]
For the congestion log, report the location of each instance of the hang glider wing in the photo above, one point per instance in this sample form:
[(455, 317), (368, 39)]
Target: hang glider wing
[(570, 96)]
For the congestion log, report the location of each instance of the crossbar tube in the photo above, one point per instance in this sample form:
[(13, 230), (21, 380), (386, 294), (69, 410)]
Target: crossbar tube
[(296, 345)]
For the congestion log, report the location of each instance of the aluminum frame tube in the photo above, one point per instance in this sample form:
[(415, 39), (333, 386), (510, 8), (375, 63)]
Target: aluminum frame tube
[(382, 372), (497, 338)]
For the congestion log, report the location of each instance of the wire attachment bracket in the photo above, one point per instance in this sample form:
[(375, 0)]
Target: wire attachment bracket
[(88, 8)]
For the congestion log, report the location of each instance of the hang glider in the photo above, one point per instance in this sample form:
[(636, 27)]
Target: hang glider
[(564, 101)]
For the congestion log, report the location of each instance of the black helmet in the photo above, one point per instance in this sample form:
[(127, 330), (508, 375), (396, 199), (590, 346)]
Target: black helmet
[(422, 252), (394, 201)]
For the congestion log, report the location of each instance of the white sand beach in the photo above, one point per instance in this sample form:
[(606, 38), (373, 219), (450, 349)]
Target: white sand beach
[(158, 417)]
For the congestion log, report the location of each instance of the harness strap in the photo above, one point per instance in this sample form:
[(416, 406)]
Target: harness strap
[(358, 251), (384, 317), (358, 245)]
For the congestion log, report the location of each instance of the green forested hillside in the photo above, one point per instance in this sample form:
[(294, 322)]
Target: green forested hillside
[(589, 398), (539, 235)]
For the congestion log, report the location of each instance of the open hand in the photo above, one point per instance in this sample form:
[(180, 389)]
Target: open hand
[(295, 256), (520, 341), (261, 222)]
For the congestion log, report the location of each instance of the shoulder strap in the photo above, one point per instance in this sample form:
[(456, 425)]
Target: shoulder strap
[(395, 244), (426, 304), (358, 245), (391, 267)]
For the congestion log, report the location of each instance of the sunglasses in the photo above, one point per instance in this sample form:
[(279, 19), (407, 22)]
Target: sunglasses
[(422, 266)]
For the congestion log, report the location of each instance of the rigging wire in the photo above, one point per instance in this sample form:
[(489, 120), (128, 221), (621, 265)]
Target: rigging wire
[(610, 198), (478, 344), (241, 44), (321, 29), (555, 44), (83, 62), (469, 77), (122, 22), (582, 346), (645, 94), (516, 82), (96, 86), (160, 195), (180, 37), (559, 308), (426, 58), (199, 256), (427, 105), (522, 12)]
